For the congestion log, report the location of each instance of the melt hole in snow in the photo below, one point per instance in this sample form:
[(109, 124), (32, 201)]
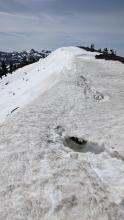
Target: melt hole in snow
[(6, 83), (82, 145)]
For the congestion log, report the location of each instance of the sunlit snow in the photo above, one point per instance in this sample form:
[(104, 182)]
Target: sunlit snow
[(62, 139)]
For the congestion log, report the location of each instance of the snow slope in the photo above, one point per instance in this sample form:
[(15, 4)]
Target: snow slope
[(27, 83), (44, 173)]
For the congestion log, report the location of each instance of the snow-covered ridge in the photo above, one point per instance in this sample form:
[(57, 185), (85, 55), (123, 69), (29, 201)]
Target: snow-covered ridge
[(62, 156), (27, 83)]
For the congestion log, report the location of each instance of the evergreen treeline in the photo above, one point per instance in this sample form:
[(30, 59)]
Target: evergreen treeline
[(93, 49), (104, 54)]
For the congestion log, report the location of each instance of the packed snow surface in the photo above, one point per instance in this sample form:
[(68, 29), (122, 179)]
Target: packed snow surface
[(24, 85), (62, 139)]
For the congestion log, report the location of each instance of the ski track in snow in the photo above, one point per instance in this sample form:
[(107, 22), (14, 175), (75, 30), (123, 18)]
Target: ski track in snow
[(40, 177)]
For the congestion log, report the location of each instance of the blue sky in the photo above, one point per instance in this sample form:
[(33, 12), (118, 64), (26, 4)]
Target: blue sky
[(49, 24)]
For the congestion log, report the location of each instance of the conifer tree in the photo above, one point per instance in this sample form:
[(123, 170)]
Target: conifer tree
[(106, 51), (10, 67), (4, 69), (92, 47)]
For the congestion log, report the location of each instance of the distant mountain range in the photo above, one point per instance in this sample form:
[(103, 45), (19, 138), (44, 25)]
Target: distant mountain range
[(10, 61), (18, 57)]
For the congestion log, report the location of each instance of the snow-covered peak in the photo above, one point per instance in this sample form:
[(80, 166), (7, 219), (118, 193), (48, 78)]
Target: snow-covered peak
[(27, 83), (72, 51)]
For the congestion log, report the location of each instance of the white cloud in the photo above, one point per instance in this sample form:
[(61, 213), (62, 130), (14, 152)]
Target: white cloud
[(25, 2), (74, 24), (45, 29), (8, 15)]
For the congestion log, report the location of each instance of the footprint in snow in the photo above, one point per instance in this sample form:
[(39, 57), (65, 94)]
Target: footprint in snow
[(25, 79), (6, 83)]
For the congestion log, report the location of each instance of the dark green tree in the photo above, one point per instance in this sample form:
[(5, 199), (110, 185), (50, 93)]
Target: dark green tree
[(112, 52), (92, 47), (1, 74), (105, 50), (4, 69), (10, 67)]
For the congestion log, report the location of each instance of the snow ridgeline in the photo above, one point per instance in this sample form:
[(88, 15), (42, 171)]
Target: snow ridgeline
[(62, 156), (27, 83)]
